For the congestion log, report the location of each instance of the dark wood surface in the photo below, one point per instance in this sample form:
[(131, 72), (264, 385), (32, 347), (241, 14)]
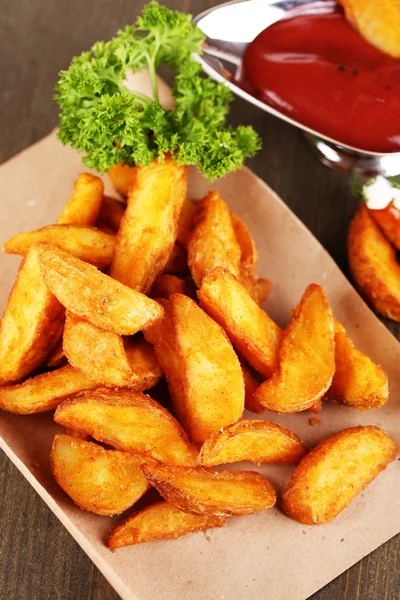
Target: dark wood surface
[(38, 558)]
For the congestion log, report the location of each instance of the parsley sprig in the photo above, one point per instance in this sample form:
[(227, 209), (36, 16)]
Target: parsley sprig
[(110, 124)]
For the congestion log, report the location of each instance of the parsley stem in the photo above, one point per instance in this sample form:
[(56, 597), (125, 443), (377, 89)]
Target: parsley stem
[(153, 76)]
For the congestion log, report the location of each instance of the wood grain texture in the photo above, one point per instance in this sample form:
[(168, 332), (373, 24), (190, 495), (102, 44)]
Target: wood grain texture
[(39, 560)]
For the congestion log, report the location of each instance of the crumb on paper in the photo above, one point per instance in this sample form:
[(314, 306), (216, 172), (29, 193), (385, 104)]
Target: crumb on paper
[(314, 421), (342, 540), (35, 465)]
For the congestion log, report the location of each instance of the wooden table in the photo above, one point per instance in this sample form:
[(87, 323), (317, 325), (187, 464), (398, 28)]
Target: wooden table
[(39, 560)]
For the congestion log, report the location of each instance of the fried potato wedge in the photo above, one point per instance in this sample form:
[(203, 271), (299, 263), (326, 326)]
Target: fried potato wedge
[(306, 357), (101, 355), (254, 441), (203, 372), (378, 21), (208, 492), (30, 325), (44, 392), (84, 205), (372, 261), (129, 421), (87, 243), (186, 220), (165, 285), (248, 250), (253, 333), (388, 219), (177, 262), (263, 288), (56, 358), (111, 213), (251, 382), (358, 382), (160, 521), (212, 241), (335, 472), (96, 297), (149, 226), (104, 482), (121, 177)]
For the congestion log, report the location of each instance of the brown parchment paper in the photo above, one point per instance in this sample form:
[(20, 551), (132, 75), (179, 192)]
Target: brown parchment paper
[(266, 555)]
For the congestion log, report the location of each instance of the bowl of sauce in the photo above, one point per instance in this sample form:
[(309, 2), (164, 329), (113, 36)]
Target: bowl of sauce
[(304, 63)]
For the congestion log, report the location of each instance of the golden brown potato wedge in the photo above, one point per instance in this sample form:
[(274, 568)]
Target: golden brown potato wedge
[(177, 261), (186, 220), (56, 358), (203, 372), (31, 322), (165, 285), (306, 357), (111, 213), (212, 241), (129, 421), (357, 382), (377, 21), (335, 472), (101, 355), (251, 382), (254, 441), (208, 492), (248, 250), (121, 177), (87, 243), (263, 288), (388, 219), (372, 261), (104, 482), (160, 521), (96, 297), (84, 205), (44, 392), (76, 434), (149, 226), (253, 333)]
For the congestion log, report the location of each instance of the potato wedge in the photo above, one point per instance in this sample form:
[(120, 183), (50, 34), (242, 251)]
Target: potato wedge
[(253, 333), (251, 382), (101, 355), (165, 285), (306, 357), (44, 392), (56, 358), (111, 213), (388, 220), (208, 492), (186, 220), (129, 421), (248, 249), (96, 297), (203, 372), (212, 241), (84, 205), (160, 521), (30, 325), (121, 177), (149, 226), (87, 243), (263, 288), (254, 441), (177, 261), (335, 472), (378, 21), (357, 382), (373, 264), (104, 482)]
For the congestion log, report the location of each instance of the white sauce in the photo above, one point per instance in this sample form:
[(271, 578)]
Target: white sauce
[(379, 193)]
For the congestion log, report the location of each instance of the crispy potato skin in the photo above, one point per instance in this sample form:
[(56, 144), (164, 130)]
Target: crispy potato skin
[(149, 226), (373, 264), (104, 482), (87, 243), (388, 220), (121, 177), (128, 421), (251, 382), (110, 304), (165, 285), (254, 441), (159, 521), (31, 322), (201, 367), (253, 333), (111, 213), (208, 492), (335, 472), (357, 382), (306, 357), (186, 220), (43, 392), (377, 21), (212, 241), (83, 206)]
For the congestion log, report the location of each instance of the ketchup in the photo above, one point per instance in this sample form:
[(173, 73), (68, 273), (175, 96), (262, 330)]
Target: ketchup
[(316, 69)]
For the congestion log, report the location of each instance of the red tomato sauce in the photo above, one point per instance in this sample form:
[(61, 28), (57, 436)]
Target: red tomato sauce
[(316, 69)]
